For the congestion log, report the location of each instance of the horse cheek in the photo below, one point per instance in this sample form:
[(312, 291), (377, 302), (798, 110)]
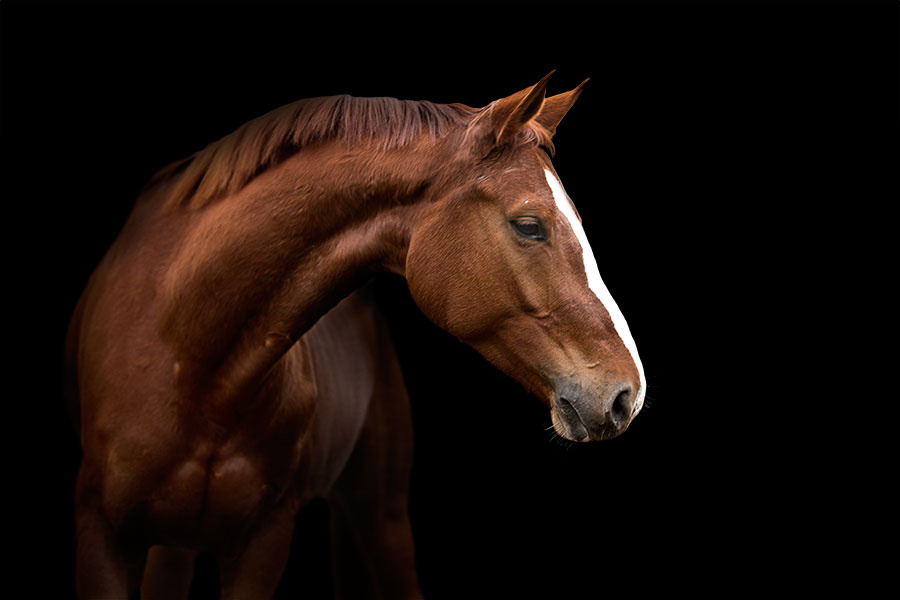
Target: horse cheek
[(446, 284)]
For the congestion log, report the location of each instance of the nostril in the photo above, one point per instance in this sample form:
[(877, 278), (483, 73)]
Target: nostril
[(621, 407)]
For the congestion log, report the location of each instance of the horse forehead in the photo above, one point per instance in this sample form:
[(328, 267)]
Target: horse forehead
[(561, 200), (521, 181)]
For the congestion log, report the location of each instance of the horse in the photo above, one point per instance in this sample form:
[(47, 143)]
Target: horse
[(229, 366)]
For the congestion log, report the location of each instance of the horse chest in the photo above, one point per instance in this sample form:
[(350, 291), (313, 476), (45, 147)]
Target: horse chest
[(208, 479), (237, 490), (212, 492)]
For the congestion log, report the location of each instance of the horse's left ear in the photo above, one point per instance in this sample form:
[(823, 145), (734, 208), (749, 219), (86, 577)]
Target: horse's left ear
[(499, 122), (510, 114), (555, 108)]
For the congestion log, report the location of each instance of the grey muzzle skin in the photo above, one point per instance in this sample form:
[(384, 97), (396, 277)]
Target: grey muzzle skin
[(597, 413)]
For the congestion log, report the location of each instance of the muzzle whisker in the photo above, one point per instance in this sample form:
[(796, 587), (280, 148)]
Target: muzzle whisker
[(555, 438)]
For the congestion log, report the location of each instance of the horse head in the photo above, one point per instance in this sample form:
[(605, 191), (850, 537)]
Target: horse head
[(501, 261)]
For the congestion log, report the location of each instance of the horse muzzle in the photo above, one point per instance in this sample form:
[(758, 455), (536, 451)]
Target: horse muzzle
[(582, 415)]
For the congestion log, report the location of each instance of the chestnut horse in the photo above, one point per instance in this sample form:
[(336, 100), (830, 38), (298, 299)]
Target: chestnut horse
[(227, 372)]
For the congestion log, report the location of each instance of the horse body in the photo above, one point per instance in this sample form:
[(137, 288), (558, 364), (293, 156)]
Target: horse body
[(167, 462), (217, 391)]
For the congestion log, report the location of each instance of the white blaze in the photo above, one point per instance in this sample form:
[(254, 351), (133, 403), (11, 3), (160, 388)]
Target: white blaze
[(595, 283)]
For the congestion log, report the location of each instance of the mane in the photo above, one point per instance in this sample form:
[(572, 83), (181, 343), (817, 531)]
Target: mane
[(227, 165)]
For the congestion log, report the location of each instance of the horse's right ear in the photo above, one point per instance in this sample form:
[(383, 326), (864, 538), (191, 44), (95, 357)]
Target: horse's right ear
[(502, 120)]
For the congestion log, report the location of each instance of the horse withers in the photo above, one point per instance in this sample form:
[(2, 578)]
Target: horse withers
[(228, 373)]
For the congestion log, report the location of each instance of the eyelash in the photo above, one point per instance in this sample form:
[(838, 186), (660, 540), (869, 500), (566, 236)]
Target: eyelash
[(529, 228)]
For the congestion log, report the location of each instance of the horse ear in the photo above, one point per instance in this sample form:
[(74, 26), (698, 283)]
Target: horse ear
[(508, 115), (556, 107)]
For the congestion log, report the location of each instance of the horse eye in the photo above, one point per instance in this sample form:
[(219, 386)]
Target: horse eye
[(529, 228)]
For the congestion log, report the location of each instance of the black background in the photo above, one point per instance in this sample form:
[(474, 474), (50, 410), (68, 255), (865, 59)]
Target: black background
[(712, 156)]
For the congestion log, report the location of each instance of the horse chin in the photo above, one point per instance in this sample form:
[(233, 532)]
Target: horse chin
[(567, 423)]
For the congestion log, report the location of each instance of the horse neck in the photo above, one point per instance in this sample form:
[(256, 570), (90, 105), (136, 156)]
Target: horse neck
[(260, 267)]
